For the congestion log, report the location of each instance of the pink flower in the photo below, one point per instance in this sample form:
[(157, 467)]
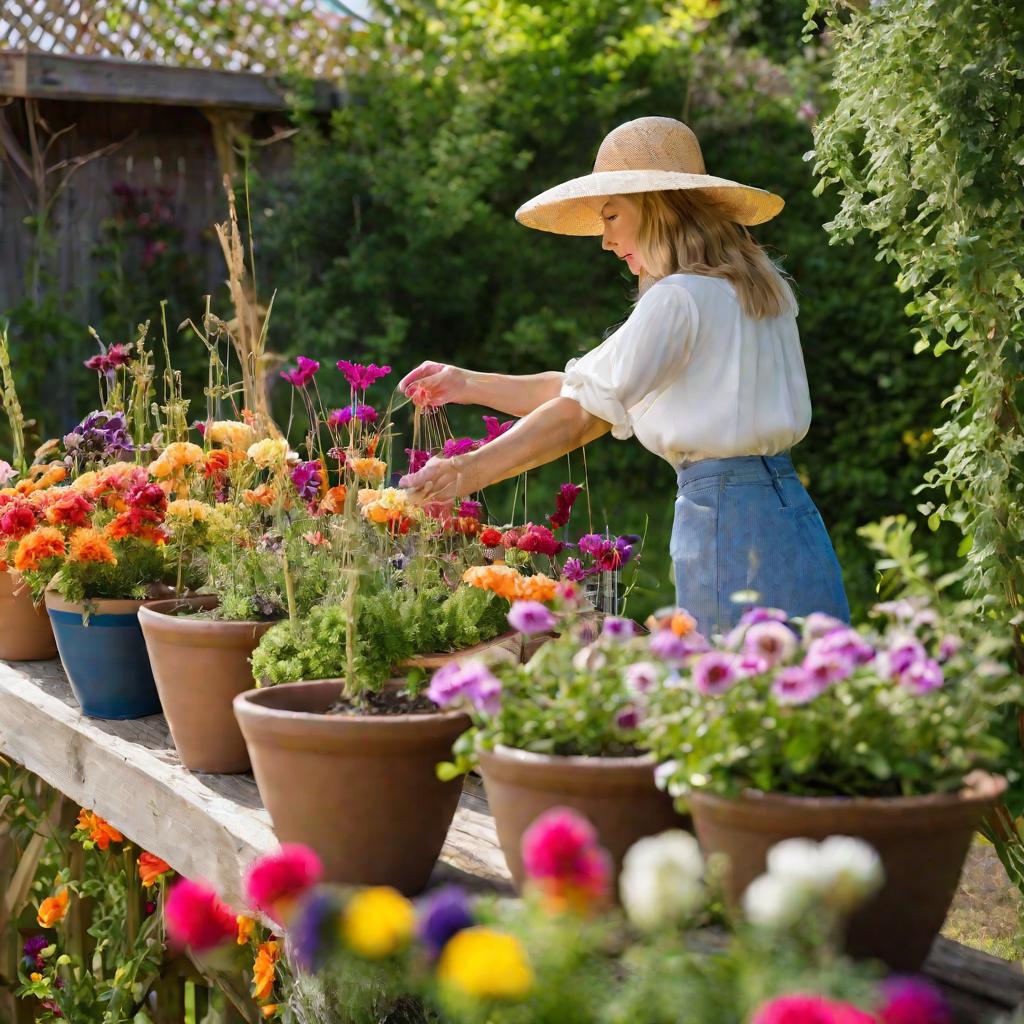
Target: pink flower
[(119, 355), (948, 645), (753, 615), (847, 642), (417, 459), (628, 718), (769, 641), (275, 882), (340, 418), (617, 629), (564, 501), (807, 111), (819, 624), (804, 1008), (674, 650), (795, 686), (494, 429), (7, 473), (826, 667), (902, 655), (573, 571), (539, 540), (924, 675), (910, 1000), (457, 446), (303, 373), (366, 414), (196, 917), (470, 509), (642, 676), (714, 673), (530, 617), (361, 377), (470, 680), (561, 852)]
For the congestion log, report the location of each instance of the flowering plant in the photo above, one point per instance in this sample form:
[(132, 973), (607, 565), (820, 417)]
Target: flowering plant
[(814, 707)]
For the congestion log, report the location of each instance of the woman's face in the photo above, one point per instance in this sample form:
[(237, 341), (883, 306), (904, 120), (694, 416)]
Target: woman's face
[(621, 216)]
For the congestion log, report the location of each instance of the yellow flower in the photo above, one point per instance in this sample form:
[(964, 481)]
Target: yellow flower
[(270, 453), (487, 964), (378, 922), (223, 524), (393, 499), (35, 976), (246, 925), (366, 496), (175, 457), (264, 970), (231, 434), (188, 509), (84, 482), (368, 469)]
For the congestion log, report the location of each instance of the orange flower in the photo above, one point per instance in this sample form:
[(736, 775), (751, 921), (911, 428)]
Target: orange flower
[(246, 925), (218, 462), (263, 970), (333, 501), (53, 909), (368, 469), (262, 495), (506, 582), (46, 476), (151, 867), (69, 509), (269, 1010), (101, 832), (135, 523), (175, 457), (88, 545), (316, 538), (35, 547)]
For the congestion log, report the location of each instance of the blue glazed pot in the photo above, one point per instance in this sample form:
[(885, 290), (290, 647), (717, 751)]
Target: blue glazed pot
[(105, 661)]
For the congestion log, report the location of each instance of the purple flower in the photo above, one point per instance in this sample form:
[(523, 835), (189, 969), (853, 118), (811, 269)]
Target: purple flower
[(902, 655), (818, 624), (340, 418), (470, 680), (795, 686), (494, 429), (446, 685), (674, 650), (366, 414), (591, 543), (847, 642), (530, 617), (312, 930), (912, 1000), (750, 665), (484, 690), (826, 667), (457, 446), (442, 914), (470, 509), (641, 677), (361, 377), (35, 945), (754, 615), (306, 478), (303, 373), (101, 435), (948, 646), (617, 629), (417, 459), (628, 718), (714, 673), (573, 570), (924, 675), (770, 641)]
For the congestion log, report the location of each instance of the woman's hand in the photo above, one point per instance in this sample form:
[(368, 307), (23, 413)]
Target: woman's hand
[(433, 384), (441, 480)]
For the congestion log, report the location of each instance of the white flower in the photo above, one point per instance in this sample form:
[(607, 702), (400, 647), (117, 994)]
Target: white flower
[(7, 473), (799, 861), (642, 677), (589, 659), (774, 902), (661, 881), (854, 869)]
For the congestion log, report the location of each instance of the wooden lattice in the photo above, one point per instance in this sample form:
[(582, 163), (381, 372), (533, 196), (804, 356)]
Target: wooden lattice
[(263, 36)]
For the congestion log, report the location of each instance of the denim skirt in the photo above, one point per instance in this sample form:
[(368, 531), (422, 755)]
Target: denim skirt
[(746, 532)]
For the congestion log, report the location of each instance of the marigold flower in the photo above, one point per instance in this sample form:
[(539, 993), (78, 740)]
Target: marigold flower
[(176, 457), (264, 970), (506, 582), (188, 510), (69, 510), (34, 548), (197, 918), (378, 922), (53, 909), (151, 868), (276, 881), (487, 964), (368, 469), (333, 502), (101, 832), (246, 927), (262, 495), (88, 545), (270, 453)]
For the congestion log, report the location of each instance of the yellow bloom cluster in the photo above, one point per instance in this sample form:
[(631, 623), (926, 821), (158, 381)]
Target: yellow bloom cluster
[(231, 434), (384, 506), (188, 510), (487, 964), (368, 469), (378, 922), (223, 523), (270, 453), (175, 457)]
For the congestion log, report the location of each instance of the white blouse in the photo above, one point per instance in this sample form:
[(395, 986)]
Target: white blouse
[(694, 377)]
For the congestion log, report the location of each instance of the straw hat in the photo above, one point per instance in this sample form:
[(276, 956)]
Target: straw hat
[(650, 154)]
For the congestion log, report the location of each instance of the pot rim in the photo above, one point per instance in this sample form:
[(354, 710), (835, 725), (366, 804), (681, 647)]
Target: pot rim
[(979, 787), (103, 605), (585, 762), (247, 703), (161, 613)]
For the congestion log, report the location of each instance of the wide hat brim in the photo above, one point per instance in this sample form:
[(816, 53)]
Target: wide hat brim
[(574, 207)]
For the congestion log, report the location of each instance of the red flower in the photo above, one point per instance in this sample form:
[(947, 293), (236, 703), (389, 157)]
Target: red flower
[(150, 497), (564, 501), (17, 519), (490, 537), (562, 855), (510, 539), (539, 540), (70, 510)]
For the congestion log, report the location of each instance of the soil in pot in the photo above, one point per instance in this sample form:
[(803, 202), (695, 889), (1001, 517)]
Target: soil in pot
[(25, 630), (359, 788), (616, 794), (922, 842), (104, 656), (200, 664)]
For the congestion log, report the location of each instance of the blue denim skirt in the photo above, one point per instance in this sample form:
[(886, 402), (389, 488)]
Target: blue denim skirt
[(744, 526)]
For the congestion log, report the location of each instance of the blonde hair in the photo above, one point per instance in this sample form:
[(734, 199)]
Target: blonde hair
[(685, 232)]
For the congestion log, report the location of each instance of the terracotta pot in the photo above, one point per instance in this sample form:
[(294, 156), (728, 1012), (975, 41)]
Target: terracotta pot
[(200, 666), (616, 794), (361, 790), (104, 656), (921, 840), (25, 630), (506, 647)]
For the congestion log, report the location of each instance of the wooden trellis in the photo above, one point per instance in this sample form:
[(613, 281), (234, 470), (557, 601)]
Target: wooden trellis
[(263, 36)]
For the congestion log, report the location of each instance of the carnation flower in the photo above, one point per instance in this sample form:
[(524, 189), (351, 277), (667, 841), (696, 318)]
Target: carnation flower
[(573, 570), (275, 882), (232, 434), (303, 373), (531, 617), (470, 509), (361, 377), (175, 457), (196, 918), (662, 879), (539, 540), (17, 519), (270, 453), (368, 469), (417, 459), (490, 537), (36, 547)]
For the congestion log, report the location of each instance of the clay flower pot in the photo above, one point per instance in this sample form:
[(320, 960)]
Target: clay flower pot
[(104, 657), (616, 794), (25, 630), (922, 841), (361, 790), (200, 666)]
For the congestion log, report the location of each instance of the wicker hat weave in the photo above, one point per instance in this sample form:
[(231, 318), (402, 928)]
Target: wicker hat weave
[(650, 154)]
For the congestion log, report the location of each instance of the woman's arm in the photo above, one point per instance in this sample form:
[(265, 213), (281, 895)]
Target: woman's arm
[(558, 426), (440, 384)]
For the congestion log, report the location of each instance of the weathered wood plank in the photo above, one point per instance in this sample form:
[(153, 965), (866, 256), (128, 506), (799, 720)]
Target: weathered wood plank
[(987, 978), (34, 75)]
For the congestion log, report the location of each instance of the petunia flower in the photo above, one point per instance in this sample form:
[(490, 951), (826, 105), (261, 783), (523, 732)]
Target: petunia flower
[(313, 929), (923, 676), (530, 617), (714, 673), (795, 686)]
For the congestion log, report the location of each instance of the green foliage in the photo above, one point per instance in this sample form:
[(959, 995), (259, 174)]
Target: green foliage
[(925, 149)]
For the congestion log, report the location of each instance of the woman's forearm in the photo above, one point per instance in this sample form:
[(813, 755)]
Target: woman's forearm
[(510, 394), (558, 426)]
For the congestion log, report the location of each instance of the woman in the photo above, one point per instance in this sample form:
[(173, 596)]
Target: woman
[(707, 372)]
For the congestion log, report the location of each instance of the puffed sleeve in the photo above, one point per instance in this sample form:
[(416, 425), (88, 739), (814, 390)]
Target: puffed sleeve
[(648, 351)]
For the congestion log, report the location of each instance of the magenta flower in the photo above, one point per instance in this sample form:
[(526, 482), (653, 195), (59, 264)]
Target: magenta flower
[(818, 624), (573, 570), (307, 478), (196, 918), (674, 650), (494, 429), (340, 418), (902, 655), (338, 454), (446, 685), (804, 1008), (628, 718), (714, 673), (826, 667), (530, 617), (795, 686), (561, 853), (539, 540), (366, 414), (564, 501), (755, 615), (770, 642), (924, 675), (617, 629), (362, 377), (417, 459), (276, 881), (912, 1000), (457, 446), (470, 509), (948, 646), (470, 681), (119, 355), (591, 543), (847, 642), (303, 373)]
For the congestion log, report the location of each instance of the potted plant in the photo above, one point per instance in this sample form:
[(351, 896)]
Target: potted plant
[(804, 729), (564, 729)]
